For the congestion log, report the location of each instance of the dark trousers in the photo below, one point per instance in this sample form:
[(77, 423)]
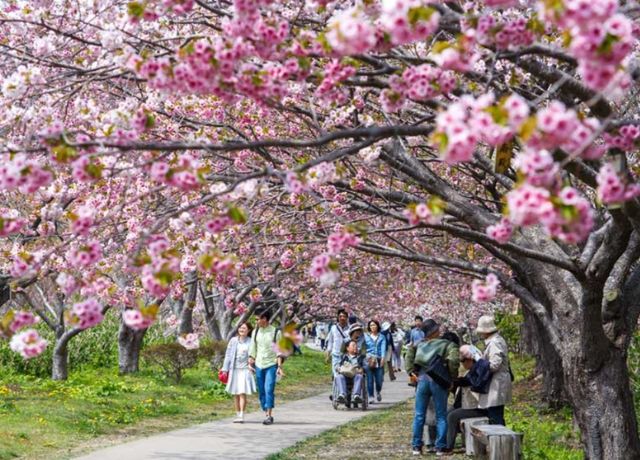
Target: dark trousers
[(496, 415), (453, 422)]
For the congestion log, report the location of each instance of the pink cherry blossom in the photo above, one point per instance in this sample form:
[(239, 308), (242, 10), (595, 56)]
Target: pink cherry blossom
[(189, 341), (485, 292), (28, 344), (501, 232)]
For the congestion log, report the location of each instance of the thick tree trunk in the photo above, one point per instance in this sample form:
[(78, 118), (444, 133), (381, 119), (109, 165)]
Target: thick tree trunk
[(604, 410), (129, 347), (534, 341)]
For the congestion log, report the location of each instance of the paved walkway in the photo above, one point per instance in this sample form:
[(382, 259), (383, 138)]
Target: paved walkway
[(294, 421)]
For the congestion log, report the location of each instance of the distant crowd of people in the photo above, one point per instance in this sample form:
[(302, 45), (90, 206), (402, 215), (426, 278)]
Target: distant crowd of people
[(479, 382)]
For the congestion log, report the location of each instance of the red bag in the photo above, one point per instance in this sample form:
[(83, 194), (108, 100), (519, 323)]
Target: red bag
[(223, 376)]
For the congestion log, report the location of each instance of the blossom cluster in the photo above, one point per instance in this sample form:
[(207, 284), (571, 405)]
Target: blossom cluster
[(186, 174), (470, 120), (485, 291), (10, 222), (26, 175), (340, 240), (287, 259), (612, 190), (162, 268), (418, 83), (426, 213), (139, 319), (28, 344), (601, 40), (85, 255), (504, 34), (86, 314), (189, 341)]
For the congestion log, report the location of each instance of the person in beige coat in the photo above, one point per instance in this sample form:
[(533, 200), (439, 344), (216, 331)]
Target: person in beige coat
[(497, 354)]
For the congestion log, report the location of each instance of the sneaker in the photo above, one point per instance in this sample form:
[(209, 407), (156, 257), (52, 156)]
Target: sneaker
[(443, 453), (431, 449), (239, 419), (357, 399), (268, 421), (341, 399), (379, 397), (416, 452)]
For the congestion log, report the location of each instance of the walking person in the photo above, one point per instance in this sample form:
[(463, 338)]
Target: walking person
[(497, 353), (397, 335), (240, 381), (266, 362), (386, 331), (376, 349), (428, 388), (338, 337), (416, 334)]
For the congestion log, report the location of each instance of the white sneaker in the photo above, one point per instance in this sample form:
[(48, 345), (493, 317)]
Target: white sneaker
[(416, 452), (239, 419)]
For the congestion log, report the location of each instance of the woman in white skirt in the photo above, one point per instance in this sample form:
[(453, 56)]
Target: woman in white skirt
[(236, 362)]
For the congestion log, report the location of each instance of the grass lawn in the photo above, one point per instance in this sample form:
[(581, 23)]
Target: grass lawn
[(43, 419), (387, 434)]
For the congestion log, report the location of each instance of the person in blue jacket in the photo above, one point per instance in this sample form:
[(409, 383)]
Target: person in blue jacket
[(376, 349)]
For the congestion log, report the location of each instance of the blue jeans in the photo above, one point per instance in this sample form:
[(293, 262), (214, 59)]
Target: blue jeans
[(376, 374), (427, 389), (266, 379)]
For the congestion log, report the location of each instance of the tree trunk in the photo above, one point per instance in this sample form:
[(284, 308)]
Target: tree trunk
[(129, 347), (60, 365), (548, 363), (604, 410)]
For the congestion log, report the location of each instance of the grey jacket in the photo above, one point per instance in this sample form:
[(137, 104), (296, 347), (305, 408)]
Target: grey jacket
[(500, 388)]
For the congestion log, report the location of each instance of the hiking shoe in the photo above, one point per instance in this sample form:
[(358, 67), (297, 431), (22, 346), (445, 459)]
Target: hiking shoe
[(268, 421), (379, 397), (341, 399), (357, 399)]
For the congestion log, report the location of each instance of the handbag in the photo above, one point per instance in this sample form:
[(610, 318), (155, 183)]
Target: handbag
[(223, 376), (372, 362), (437, 370), (348, 370)]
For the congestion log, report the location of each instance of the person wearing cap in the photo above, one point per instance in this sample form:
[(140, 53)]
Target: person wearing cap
[(497, 354), (428, 389), (338, 337), (356, 334)]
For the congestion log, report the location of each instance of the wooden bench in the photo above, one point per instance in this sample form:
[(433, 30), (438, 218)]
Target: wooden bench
[(466, 424), (496, 442)]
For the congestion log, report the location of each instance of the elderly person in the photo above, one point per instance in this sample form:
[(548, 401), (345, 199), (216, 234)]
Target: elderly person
[(469, 356), (497, 354), (354, 358)]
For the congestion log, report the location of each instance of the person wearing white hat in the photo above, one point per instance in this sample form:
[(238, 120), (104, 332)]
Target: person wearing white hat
[(497, 353), (386, 331)]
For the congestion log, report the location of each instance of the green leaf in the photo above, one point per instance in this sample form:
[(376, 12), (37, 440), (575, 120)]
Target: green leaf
[(421, 13), (439, 46), (135, 9), (237, 215), (64, 153)]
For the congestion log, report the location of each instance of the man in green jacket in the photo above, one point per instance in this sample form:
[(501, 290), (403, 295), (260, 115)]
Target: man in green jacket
[(266, 363), (427, 388)]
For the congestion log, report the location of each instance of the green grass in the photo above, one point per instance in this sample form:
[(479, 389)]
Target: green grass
[(387, 434), (40, 418)]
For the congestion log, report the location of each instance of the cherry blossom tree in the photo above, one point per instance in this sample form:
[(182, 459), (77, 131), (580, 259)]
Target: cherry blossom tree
[(177, 140)]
